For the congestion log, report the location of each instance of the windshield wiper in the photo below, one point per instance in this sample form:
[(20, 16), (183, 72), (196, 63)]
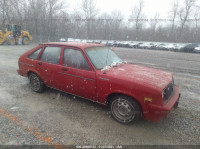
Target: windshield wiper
[(114, 64), (105, 68)]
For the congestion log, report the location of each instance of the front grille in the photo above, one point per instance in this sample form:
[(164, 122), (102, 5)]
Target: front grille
[(168, 92)]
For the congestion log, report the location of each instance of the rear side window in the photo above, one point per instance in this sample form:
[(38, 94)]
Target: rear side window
[(34, 55), (51, 55), (74, 58)]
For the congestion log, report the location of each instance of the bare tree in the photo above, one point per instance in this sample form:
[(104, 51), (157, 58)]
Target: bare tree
[(137, 16), (6, 11), (104, 25), (185, 12), (76, 26), (42, 18), (195, 28), (153, 26), (117, 19), (54, 8), (3, 12), (174, 13), (90, 12), (10, 11), (197, 17), (47, 20)]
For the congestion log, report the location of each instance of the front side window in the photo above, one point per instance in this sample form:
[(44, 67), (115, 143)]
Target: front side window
[(74, 58), (51, 55), (34, 55)]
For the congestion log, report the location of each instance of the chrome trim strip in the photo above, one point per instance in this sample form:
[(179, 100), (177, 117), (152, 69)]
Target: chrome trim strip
[(27, 64), (104, 78), (77, 76)]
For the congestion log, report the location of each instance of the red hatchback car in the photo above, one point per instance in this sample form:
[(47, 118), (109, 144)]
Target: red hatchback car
[(95, 72)]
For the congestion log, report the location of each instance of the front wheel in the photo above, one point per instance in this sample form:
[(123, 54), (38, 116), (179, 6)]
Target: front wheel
[(125, 110), (36, 83), (25, 41)]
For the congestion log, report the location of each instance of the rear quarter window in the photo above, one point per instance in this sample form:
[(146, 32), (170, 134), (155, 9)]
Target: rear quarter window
[(35, 54), (51, 55)]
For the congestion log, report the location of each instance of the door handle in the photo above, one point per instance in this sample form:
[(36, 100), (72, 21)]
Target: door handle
[(39, 63), (64, 69)]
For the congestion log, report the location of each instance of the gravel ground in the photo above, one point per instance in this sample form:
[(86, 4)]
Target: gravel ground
[(56, 118)]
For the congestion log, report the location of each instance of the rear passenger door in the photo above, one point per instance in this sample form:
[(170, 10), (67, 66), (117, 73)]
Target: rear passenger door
[(47, 65), (76, 75)]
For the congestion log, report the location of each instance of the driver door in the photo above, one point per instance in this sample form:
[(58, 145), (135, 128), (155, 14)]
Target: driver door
[(76, 76)]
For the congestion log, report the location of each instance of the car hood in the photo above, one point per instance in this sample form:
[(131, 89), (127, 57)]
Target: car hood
[(135, 73)]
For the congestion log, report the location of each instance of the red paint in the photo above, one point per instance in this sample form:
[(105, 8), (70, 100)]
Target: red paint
[(132, 80)]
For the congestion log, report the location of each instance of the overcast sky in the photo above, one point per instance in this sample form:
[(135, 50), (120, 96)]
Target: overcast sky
[(151, 6), (162, 7)]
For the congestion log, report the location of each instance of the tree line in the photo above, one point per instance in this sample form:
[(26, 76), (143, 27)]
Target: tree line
[(49, 20)]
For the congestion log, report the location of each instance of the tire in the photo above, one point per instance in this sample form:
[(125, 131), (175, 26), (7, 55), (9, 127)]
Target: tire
[(176, 104), (125, 109), (25, 41), (16, 42), (36, 83), (11, 40)]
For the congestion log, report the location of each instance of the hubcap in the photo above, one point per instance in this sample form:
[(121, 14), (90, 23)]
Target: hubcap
[(123, 110), (35, 82), (25, 41), (12, 40)]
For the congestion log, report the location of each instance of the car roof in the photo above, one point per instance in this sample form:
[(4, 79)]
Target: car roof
[(73, 44)]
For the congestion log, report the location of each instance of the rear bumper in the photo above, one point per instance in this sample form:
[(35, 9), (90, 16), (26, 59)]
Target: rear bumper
[(157, 113), (20, 72)]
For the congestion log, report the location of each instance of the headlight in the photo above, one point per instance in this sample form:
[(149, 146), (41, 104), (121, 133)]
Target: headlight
[(168, 92), (163, 94)]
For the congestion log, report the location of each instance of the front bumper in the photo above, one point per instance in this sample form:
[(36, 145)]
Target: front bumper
[(157, 113)]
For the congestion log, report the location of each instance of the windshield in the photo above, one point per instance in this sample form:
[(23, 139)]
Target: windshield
[(102, 56)]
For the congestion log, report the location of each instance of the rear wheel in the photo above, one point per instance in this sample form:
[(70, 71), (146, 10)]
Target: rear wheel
[(36, 83), (124, 109), (11, 40), (25, 40)]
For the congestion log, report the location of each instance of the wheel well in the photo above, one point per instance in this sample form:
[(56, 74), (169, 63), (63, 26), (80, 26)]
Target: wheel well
[(25, 37), (29, 72), (111, 96)]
